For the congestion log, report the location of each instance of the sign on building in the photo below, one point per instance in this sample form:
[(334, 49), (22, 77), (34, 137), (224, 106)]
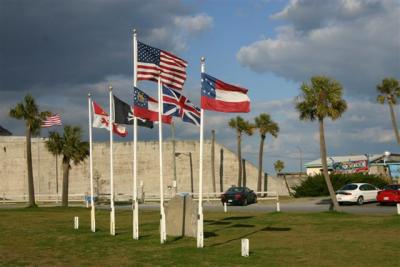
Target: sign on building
[(351, 166)]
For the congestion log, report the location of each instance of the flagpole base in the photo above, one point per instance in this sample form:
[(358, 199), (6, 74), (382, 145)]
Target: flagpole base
[(92, 220), (163, 232), (200, 231), (136, 220), (112, 222)]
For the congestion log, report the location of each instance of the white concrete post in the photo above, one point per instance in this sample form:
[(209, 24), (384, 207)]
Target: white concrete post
[(225, 207), (245, 247), (398, 208), (76, 222), (278, 206)]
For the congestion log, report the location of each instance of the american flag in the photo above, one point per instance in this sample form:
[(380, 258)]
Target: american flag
[(53, 120), (153, 62), (176, 104)]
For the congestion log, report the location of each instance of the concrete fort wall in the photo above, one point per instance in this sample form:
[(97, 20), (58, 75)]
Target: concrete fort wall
[(13, 169)]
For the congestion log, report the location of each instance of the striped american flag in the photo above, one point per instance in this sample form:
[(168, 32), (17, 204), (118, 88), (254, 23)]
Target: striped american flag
[(153, 62), (53, 120)]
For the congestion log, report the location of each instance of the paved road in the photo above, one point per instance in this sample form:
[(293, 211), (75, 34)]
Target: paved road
[(301, 205), (293, 205)]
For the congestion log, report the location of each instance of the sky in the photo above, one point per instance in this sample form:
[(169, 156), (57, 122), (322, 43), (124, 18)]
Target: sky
[(58, 51)]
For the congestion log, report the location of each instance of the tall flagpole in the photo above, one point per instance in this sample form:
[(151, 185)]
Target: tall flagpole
[(92, 212), (135, 211), (163, 232), (200, 230), (110, 126)]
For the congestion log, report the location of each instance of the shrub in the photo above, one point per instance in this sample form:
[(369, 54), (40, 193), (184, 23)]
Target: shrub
[(315, 186)]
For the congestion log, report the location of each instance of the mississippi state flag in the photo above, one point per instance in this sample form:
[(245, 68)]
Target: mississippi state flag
[(146, 107), (223, 97)]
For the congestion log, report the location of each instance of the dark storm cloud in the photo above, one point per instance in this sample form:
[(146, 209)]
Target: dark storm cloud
[(355, 42), (45, 43)]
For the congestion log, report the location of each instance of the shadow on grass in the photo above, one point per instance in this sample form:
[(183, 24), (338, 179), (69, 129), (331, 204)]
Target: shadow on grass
[(276, 229), (219, 223), (209, 234), (237, 218), (242, 225)]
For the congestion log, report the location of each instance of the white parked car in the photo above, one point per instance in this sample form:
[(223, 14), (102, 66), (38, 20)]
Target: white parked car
[(357, 193)]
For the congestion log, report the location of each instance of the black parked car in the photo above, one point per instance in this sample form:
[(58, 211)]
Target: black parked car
[(239, 196)]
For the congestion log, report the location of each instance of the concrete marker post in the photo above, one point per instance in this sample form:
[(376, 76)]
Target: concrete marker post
[(76, 222), (245, 247)]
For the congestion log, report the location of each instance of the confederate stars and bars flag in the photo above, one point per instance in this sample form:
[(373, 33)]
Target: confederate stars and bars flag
[(176, 104), (154, 62)]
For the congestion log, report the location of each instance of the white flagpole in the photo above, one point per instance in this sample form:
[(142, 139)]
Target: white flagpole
[(200, 230), (110, 125), (92, 213), (163, 232), (135, 215)]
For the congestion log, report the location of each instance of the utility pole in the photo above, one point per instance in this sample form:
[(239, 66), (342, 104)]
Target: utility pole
[(213, 159), (301, 159)]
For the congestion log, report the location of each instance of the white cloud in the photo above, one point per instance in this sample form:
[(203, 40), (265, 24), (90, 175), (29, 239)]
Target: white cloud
[(180, 30), (355, 42), (197, 23)]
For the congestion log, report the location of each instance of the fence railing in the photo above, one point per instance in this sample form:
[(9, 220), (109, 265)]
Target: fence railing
[(85, 199)]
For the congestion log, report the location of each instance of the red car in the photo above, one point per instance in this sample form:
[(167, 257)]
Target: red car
[(389, 194)]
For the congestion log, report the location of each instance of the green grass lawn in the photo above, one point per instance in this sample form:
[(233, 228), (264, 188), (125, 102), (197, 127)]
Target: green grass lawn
[(45, 236)]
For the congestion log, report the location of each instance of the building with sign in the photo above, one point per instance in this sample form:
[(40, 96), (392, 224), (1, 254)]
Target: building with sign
[(385, 164)]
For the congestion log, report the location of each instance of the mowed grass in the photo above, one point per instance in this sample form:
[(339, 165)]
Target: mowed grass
[(45, 237)]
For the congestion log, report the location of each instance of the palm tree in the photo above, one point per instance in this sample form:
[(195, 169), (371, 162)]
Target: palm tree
[(241, 126), (28, 111), (389, 91), (72, 149), (317, 101), (265, 125), (279, 165)]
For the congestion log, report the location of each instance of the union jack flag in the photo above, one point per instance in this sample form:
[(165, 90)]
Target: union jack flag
[(176, 104)]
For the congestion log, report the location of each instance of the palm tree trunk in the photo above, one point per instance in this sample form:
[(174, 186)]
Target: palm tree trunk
[(325, 166), (31, 187), (239, 147), (287, 185), (394, 123), (260, 163), (65, 166)]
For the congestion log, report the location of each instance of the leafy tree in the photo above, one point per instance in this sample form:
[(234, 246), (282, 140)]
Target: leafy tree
[(279, 165), (28, 111), (265, 125), (319, 100), (241, 126), (389, 91), (72, 149)]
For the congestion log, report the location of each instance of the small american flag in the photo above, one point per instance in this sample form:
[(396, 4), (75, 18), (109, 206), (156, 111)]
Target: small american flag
[(53, 120), (153, 62)]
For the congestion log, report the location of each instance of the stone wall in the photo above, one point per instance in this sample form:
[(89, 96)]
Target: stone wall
[(13, 170)]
